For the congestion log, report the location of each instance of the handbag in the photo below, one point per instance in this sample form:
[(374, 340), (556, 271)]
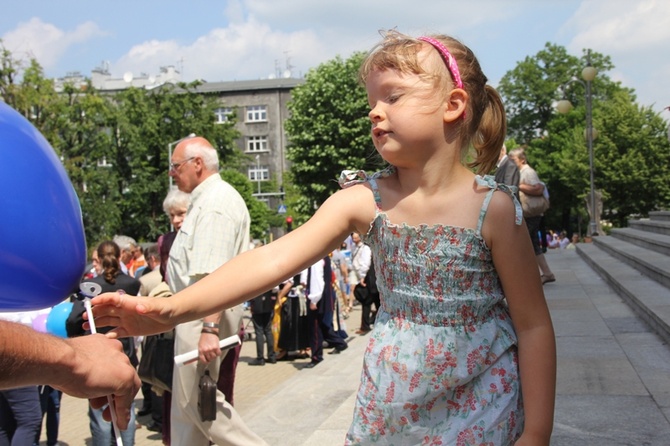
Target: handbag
[(533, 205), (157, 362), (207, 398)]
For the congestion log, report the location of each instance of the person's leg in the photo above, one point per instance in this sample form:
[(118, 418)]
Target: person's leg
[(533, 224), (269, 336), (52, 414), (146, 400), (101, 430), (128, 436), (24, 403), (156, 424), (315, 336), (259, 331), (167, 402)]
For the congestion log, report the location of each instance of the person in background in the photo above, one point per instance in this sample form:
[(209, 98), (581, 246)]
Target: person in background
[(530, 184), (20, 411), (563, 240), (50, 399), (153, 403), (573, 241), (506, 170), (139, 262), (262, 309), (175, 206), (106, 260), (127, 245), (317, 280), (361, 261), (215, 230)]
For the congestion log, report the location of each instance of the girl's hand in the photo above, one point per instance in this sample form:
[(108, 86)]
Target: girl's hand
[(131, 315)]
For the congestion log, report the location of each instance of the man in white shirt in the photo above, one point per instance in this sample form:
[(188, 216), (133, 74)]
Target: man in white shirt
[(215, 230), (364, 292)]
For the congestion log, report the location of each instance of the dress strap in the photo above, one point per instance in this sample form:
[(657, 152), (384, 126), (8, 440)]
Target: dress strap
[(350, 177), (488, 181)]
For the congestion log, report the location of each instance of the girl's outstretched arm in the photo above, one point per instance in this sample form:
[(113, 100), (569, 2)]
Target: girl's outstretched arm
[(247, 275), (515, 262)]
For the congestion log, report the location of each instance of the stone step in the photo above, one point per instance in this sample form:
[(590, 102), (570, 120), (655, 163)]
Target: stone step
[(650, 240), (645, 224), (652, 264), (648, 298), (659, 215)]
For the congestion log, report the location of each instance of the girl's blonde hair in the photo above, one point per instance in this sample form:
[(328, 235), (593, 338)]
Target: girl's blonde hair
[(484, 124)]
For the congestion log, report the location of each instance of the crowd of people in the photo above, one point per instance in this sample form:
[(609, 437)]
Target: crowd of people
[(461, 348)]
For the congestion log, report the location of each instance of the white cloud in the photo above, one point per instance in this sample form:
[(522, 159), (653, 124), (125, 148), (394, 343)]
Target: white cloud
[(620, 26), (635, 35), (46, 42), (262, 37), (240, 51)]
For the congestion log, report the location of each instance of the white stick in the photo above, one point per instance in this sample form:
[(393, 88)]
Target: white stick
[(191, 356), (110, 401)]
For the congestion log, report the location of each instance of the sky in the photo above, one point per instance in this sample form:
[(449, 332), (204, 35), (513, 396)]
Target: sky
[(229, 40)]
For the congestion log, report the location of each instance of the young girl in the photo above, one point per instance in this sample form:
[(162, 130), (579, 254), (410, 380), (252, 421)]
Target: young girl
[(462, 350)]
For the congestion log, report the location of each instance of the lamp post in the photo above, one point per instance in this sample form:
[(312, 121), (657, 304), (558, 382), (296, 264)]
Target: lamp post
[(170, 146), (564, 106)]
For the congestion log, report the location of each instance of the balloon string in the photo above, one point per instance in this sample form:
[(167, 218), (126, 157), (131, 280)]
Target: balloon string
[(110, 401)]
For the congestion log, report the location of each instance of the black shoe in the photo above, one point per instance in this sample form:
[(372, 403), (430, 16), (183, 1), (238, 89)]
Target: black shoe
[(272, 360), (338, 350), (144, 411), (312, 364), (154, 427), (257, 361)]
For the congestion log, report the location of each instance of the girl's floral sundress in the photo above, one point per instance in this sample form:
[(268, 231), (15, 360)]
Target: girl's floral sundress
[(441, 365)]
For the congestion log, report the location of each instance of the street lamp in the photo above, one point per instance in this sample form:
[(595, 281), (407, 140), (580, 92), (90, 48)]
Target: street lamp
[(170, 146), (564, 106)]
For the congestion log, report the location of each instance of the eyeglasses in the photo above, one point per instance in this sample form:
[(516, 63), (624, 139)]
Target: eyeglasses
[(175, 166)]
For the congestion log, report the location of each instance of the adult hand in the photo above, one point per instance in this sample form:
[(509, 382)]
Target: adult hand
[(97, 367), (131, 315), (208, 348)]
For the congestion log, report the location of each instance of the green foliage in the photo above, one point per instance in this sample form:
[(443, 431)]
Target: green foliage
[(328, 130), (259, 212), (115, 147), (631, 152)]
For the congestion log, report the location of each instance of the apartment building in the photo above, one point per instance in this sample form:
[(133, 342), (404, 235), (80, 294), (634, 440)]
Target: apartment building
[(261, 110)]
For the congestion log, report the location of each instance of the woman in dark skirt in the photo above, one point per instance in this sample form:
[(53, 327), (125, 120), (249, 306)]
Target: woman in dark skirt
[(293, 335)]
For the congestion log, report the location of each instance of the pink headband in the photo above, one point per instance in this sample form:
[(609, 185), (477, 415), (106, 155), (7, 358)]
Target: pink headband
[(448, 59)]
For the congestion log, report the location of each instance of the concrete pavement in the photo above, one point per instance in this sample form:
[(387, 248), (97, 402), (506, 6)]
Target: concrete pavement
[(613, 378)]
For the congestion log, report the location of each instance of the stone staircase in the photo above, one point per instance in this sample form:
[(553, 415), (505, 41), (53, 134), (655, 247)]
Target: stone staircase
[(635, 261)]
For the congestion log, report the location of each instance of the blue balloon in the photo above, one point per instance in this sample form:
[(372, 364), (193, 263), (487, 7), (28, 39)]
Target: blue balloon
[(42, 243), (57, 319)]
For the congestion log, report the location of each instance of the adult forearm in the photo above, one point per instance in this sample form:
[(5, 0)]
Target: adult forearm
[(531, 189), (24, 354)]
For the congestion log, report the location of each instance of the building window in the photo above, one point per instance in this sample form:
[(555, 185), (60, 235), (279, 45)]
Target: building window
[(257, 143), (257, 113), (258, 173), (222, 114)]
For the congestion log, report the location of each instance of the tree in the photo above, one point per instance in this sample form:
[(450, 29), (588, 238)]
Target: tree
[(114, 147), (631, 152), (259, 212), (329, 130)]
